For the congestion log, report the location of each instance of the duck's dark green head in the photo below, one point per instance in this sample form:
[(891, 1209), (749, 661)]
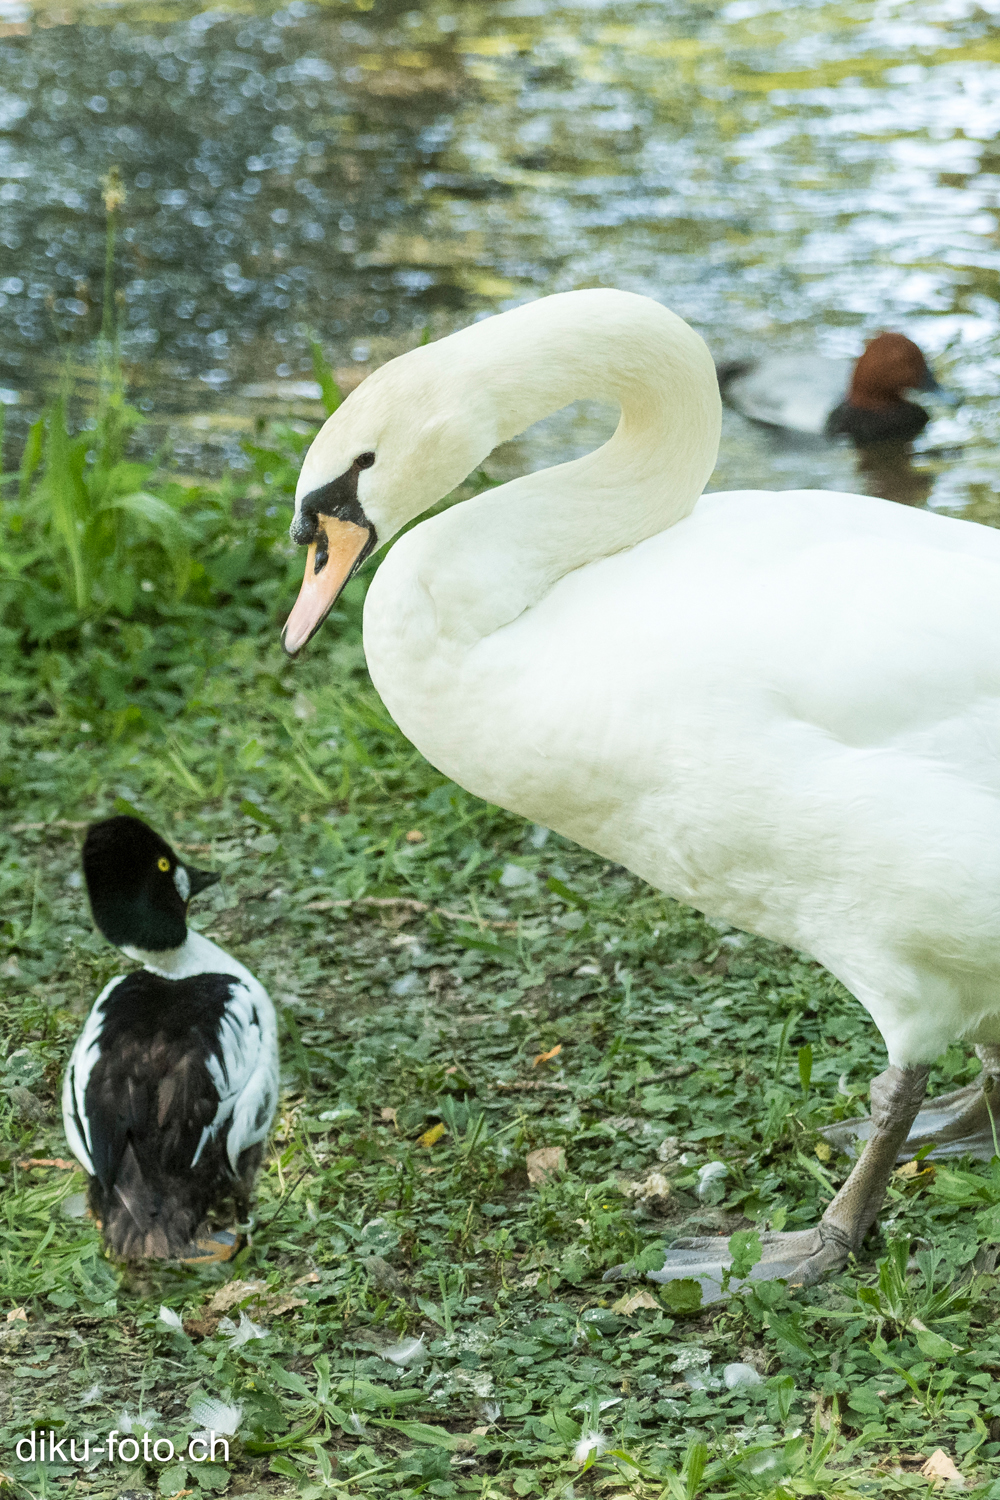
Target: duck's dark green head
[(138, 887)]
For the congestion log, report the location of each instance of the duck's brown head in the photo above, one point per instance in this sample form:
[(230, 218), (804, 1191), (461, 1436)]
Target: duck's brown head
[(890, 365)]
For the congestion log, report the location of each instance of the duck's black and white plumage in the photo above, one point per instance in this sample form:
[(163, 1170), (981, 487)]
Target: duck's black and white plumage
[(173, 1083)]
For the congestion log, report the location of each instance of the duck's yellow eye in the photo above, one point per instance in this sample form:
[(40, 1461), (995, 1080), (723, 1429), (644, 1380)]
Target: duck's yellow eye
[(163, 863)]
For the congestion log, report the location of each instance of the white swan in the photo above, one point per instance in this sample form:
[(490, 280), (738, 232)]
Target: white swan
[(781, 708)]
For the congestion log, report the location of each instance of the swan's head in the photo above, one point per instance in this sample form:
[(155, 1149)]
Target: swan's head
[(408, 434)]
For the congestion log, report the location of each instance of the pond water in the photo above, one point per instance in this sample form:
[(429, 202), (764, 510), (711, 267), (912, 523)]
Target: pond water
[(784, 177)]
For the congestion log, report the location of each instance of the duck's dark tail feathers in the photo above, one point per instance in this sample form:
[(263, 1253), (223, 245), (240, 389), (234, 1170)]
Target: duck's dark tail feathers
[(728, 369), (144, 1220), (159, 1216)]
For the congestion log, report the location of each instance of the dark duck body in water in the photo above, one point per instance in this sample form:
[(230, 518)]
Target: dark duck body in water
[(173, 1083), (825, 397)]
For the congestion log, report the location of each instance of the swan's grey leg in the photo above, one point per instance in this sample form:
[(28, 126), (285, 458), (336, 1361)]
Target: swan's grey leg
[(956, 1124), (804, 1256), (896, 1096)]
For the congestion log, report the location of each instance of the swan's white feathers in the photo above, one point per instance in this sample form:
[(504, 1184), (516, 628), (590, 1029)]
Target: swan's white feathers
[(433, 414), (783, 709), (784, 750)]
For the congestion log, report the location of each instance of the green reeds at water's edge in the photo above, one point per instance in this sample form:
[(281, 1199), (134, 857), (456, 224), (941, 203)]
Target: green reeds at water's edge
[(119, 583), (143, 572)]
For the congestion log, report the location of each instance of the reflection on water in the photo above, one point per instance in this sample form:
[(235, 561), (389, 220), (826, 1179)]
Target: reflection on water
[(782, 176), (888, 471)]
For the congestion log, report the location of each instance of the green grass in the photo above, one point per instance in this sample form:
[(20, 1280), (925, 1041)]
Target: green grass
[(418, 979), (303, 793)]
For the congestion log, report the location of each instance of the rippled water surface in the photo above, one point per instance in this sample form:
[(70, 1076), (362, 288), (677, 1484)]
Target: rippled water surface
[(782, 176)]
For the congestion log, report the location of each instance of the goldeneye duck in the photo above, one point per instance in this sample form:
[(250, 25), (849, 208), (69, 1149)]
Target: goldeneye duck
[(173, 1082), (824, 397)]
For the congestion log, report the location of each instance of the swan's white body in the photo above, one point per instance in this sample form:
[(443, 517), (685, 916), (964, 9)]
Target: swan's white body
[(783, 709)]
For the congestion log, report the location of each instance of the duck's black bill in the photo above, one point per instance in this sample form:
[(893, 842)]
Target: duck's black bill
[(930, 387), (201, 879), (933, 388)]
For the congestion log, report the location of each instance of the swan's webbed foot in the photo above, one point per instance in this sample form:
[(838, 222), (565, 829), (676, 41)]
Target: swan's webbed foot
[(803, 1257), (800, 1257), (956, 1124)]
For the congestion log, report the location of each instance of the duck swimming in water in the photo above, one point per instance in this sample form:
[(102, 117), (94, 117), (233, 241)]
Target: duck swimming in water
[(780, 708), (826, 397), (172, 1085)]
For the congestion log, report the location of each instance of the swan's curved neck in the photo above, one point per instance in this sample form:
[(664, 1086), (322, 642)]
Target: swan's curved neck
[(615, 346), (487, 560)]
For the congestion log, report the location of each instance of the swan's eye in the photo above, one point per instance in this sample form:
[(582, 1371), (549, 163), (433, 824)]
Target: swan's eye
[(163, 863), (364, 460)]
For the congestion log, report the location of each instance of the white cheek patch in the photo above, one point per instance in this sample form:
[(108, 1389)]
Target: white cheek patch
[(182, 882)]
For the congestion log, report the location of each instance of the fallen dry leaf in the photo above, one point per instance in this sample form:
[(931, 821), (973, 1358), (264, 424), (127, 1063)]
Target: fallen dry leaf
[(414, 836), (626, 1306), (389, 1115), (654, 1191), (823, 1414), (51, 1161), (912, 1171), (201, 1328), (546, 1163), (17, 1315), (310, 1279), (274, 1303), (941, 1469), (544, 1057), (234, 1291), (432, 1136), (284, 1304)]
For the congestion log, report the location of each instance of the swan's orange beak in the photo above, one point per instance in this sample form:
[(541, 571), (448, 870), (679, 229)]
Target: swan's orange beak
[(332, 558)]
